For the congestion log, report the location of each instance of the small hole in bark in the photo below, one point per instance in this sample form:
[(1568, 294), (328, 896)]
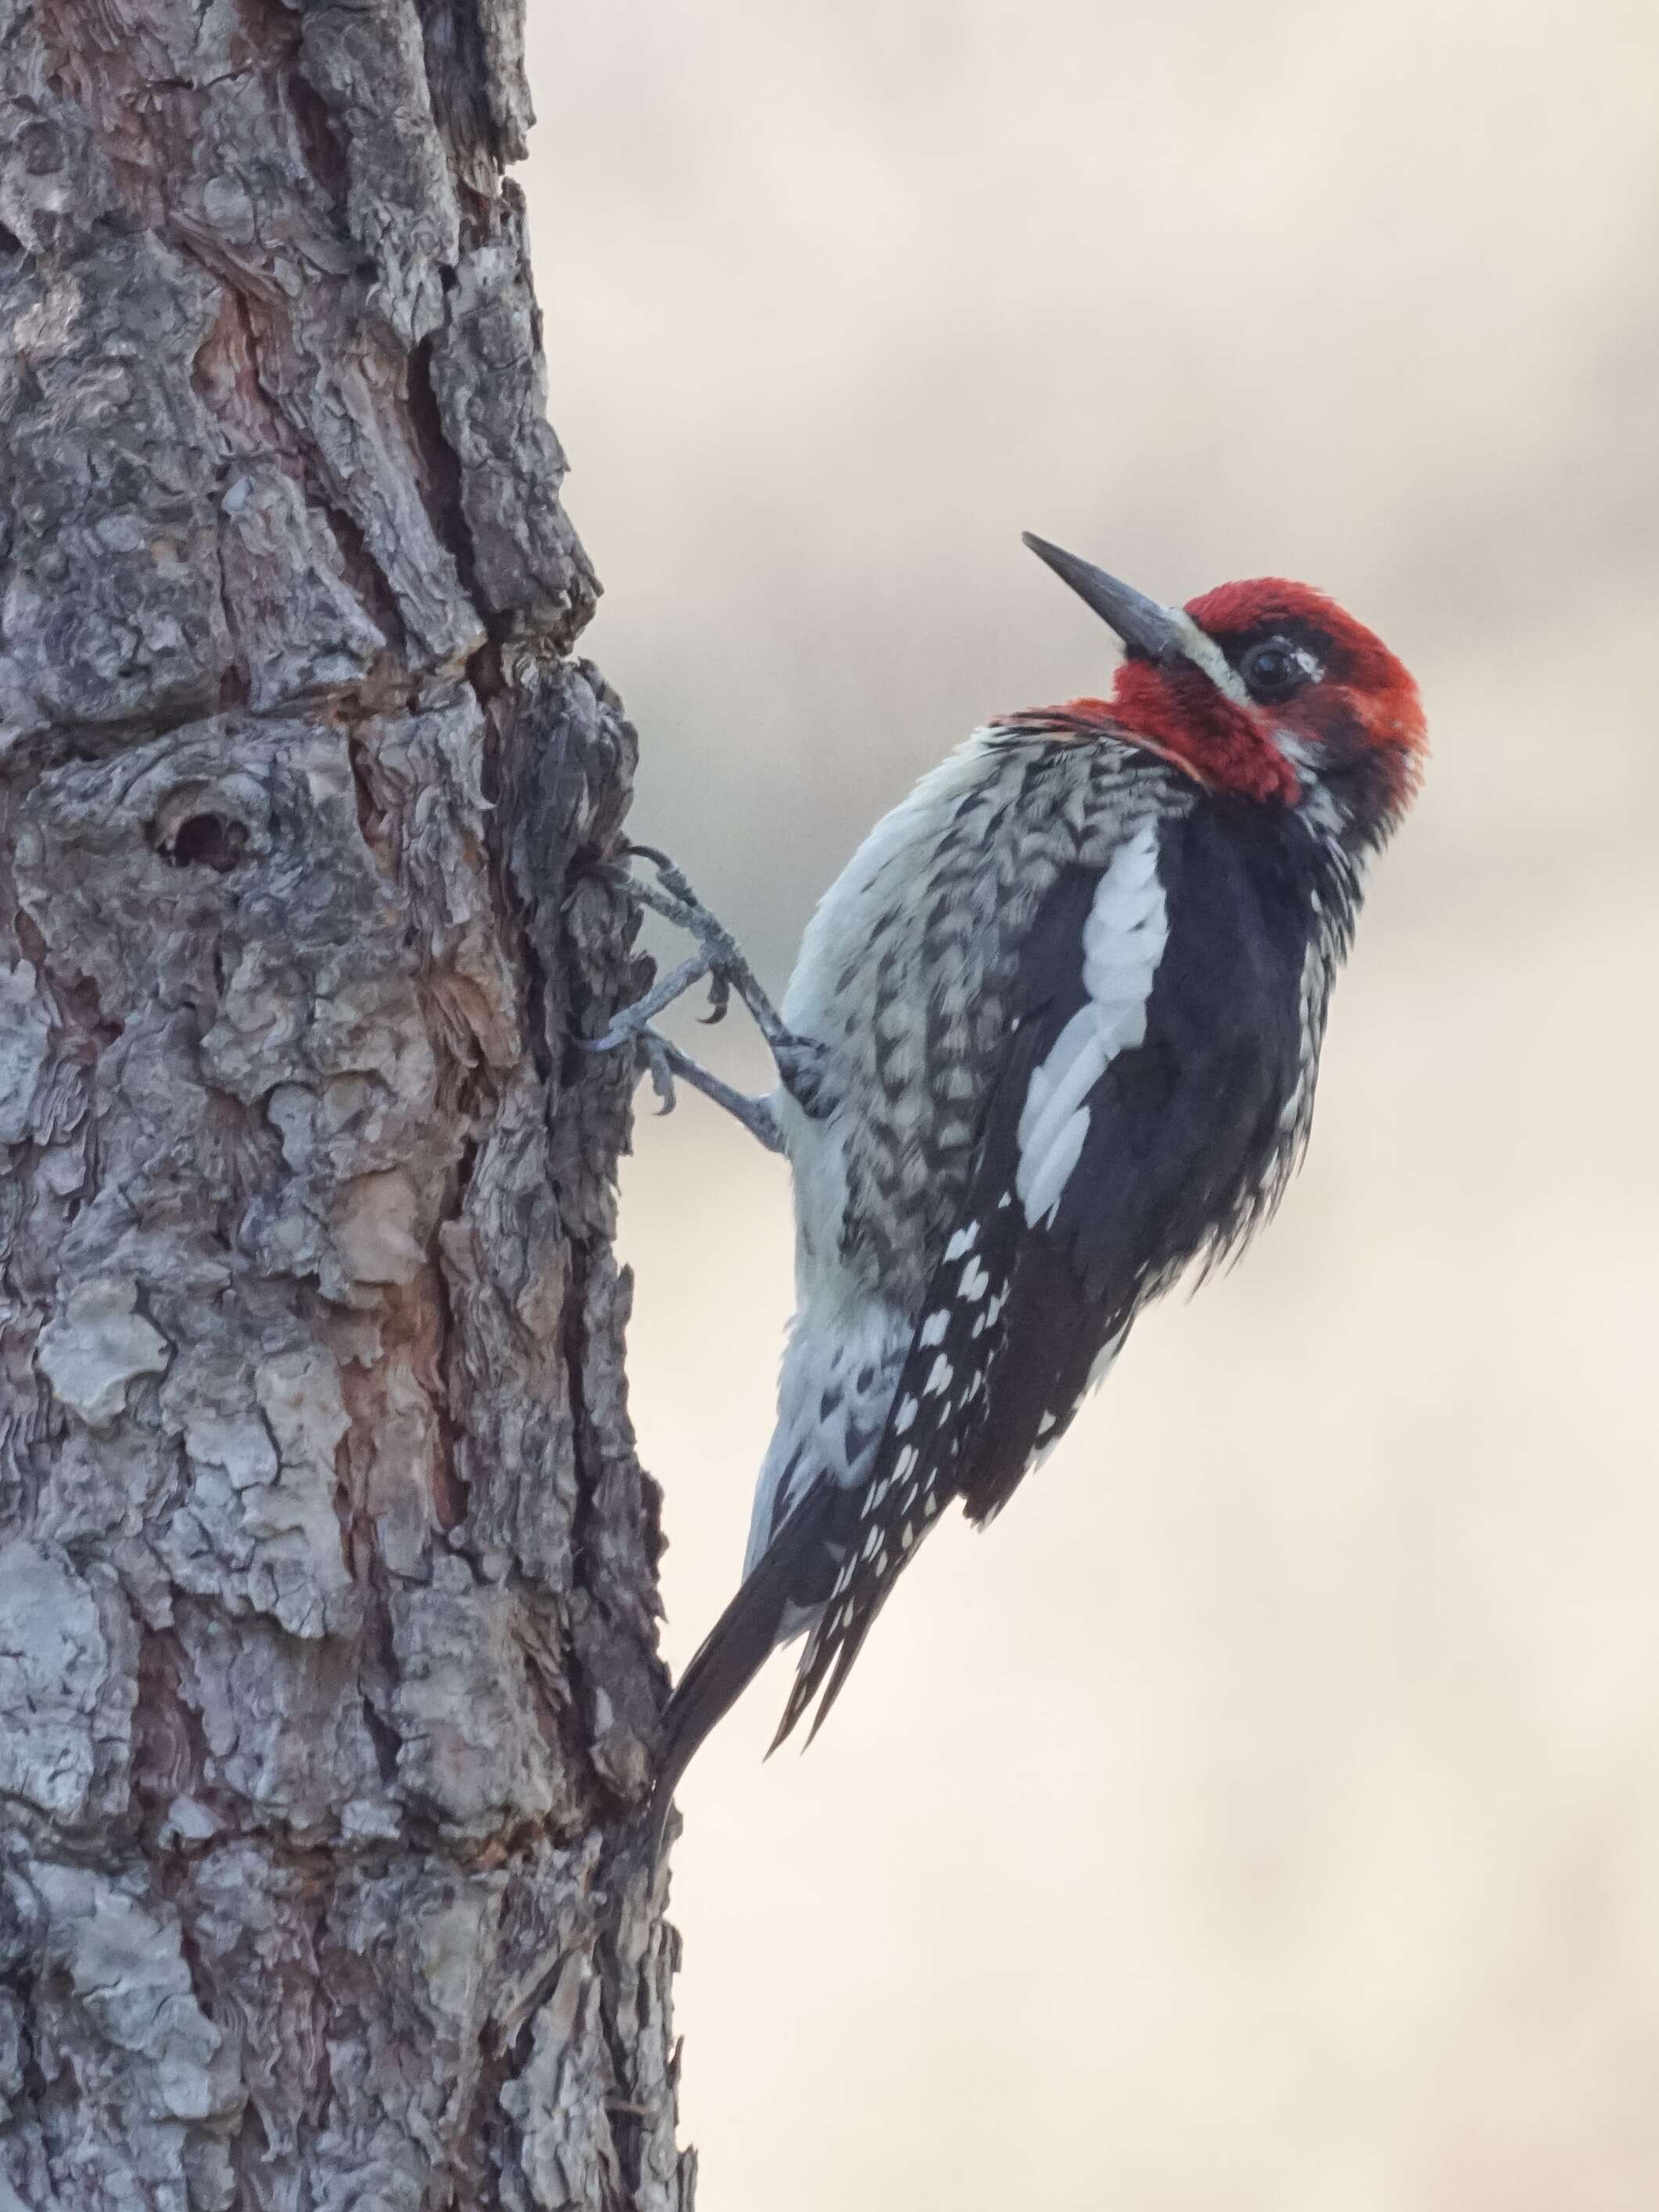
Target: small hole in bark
[(209, 841), (40, 144)]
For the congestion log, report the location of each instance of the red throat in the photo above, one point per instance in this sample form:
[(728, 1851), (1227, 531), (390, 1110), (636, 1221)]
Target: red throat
[(1178, 714), (1174, 709)]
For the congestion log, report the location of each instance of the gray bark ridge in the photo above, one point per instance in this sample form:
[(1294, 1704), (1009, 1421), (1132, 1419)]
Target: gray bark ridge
[(328, 1671)]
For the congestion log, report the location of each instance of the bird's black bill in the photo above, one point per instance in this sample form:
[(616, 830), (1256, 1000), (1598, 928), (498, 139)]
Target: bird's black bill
[(1138, 621)]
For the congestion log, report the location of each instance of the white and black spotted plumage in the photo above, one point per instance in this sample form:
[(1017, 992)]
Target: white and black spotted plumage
[(1069, 997)]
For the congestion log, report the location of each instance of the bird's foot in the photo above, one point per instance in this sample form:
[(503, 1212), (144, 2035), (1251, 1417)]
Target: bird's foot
[(718, 956), (719, 960), (665, 1063)]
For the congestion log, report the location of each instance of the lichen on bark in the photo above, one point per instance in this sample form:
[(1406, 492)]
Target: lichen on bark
[(328, 1675)]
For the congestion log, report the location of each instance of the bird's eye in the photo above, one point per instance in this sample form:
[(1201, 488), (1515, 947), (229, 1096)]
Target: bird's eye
[(1273, 670)]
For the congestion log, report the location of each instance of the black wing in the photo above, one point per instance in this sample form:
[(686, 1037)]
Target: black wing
[(1182, 1128)]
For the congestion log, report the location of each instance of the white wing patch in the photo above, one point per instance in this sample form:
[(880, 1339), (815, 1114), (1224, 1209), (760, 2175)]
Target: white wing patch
[(1123, 941), (1043, 1176)]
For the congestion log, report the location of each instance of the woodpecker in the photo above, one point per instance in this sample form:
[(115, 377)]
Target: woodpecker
[(1051, 1039)]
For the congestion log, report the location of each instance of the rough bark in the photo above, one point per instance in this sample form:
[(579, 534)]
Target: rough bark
[(327, 1654)]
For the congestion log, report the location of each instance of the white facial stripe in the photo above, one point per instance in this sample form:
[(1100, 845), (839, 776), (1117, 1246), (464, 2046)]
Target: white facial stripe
[(1205, 654), (1123, 941)]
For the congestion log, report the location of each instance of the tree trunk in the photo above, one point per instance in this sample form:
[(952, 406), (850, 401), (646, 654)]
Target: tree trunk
[(327, 1591)]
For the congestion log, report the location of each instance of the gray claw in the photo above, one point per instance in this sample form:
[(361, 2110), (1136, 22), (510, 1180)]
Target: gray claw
[(659, 1065)]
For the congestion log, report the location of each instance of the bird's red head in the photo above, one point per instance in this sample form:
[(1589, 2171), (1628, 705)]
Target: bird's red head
[(1267, 690)]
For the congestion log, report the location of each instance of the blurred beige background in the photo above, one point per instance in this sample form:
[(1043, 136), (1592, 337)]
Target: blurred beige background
[(1266, 1817)]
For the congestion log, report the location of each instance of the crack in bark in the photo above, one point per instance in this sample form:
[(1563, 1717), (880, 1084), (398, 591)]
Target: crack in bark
[(443, 479)]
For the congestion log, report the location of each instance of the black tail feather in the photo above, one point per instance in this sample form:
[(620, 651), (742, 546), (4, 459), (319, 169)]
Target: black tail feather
[(736, 1648), (830, 1657)]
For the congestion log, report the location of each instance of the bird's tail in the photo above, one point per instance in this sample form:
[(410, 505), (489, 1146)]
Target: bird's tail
[(793, 1573)]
